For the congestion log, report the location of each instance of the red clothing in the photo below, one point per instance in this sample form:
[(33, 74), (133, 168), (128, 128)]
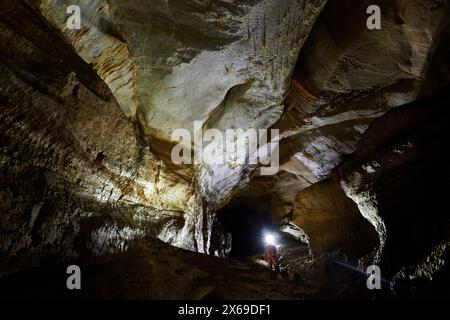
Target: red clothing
[(271, 256)]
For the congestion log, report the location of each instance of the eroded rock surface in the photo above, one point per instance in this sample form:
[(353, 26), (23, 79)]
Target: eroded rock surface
[(226, 64), (86, 127), (406, 212), (347, 76), (77, 178)]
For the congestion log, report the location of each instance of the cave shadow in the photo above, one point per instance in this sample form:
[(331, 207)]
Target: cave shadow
[(247, 228)]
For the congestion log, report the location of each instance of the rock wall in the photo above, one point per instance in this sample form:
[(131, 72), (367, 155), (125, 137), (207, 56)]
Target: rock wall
[(346, 77), (87, 118), (389, 182), (77, 179), (333, 221), (227, 64), (389, 178)]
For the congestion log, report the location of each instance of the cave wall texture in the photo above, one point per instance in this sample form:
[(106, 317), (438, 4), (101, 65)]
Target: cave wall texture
[(76, 177), (87, 116)]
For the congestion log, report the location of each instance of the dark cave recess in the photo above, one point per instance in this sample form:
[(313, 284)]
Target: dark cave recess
[(247, 227)]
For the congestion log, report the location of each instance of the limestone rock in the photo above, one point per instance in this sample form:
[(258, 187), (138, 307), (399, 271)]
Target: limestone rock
[(175, 62), (348, 76)]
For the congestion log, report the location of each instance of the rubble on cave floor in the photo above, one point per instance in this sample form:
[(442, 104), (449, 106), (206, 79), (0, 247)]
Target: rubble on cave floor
[(155, 270), (317, 275)]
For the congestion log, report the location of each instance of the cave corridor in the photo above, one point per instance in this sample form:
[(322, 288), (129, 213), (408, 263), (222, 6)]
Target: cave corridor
[(169, 149)]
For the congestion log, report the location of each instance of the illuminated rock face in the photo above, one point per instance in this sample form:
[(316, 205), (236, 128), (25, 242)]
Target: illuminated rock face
[(168, 64), (173, 62), (87, 117), (346, 77), (77, 179), (229, 65)]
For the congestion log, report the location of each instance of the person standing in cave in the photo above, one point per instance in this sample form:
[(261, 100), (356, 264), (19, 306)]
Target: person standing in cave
[(271, 254)]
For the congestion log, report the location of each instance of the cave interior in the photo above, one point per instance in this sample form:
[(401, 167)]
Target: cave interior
[(87, 178)]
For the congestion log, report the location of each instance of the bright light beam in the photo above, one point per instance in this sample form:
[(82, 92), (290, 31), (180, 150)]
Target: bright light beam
[(269, 239), (349, 266)]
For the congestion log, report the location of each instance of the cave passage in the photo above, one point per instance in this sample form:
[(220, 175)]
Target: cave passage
[(247, 227)]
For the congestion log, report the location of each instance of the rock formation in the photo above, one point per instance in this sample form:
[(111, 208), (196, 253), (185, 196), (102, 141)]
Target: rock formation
[(87, 117)]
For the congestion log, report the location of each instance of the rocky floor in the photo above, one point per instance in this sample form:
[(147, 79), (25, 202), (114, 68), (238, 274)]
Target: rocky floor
[(154, 270), (318, 275)]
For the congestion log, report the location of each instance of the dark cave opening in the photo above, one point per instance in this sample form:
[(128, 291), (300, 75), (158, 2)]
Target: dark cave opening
[(247, 227)]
